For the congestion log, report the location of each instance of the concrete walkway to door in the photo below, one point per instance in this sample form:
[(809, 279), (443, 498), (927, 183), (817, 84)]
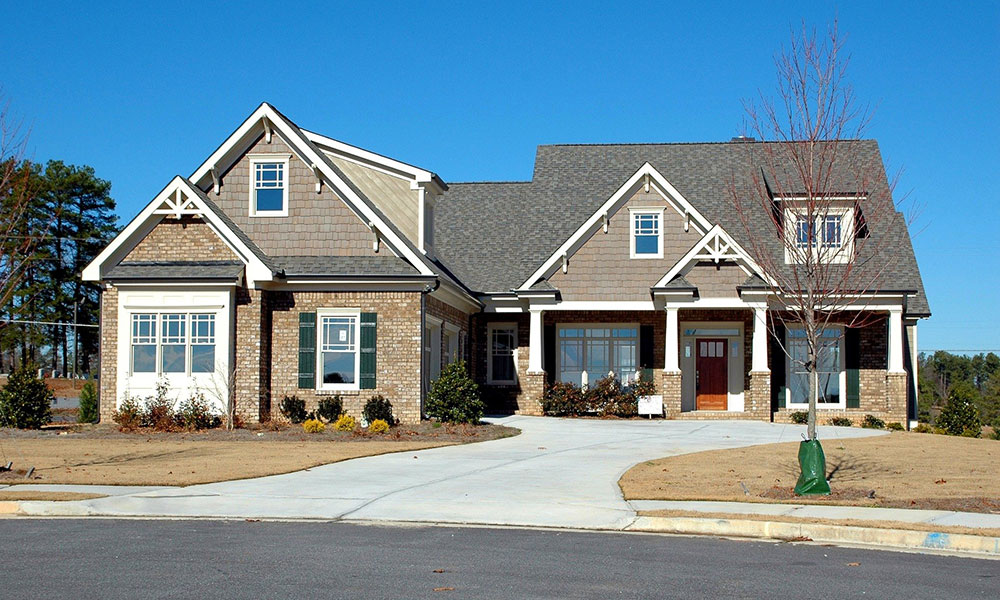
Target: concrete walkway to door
[(557, 473)]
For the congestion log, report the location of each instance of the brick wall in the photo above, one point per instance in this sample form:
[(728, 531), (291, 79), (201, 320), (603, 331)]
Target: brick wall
[(185, 239), (252, 351), (109, 353), (454, 316)]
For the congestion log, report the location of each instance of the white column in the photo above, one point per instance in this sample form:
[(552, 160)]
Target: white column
[(671, 362), (758, 356), (896, 341), (535, 342)]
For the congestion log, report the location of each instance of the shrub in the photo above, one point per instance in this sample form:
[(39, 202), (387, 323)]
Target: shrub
[(972, 433), (873, 422), (293, 409), (996, 431), (840, 422), (345, 423), (563, 399), (313, 426), (895, 426), (378, 426), (330, 408), (454, 397), (799, 417), (378, 408), (25, 402), (195, 413), (128, 415), (923, 428), (960, 413), (89, 409)]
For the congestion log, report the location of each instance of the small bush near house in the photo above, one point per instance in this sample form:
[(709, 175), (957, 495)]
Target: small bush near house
[(89, 410), (996, 431), (159, 413), (293, 409), (378, 426), (960, 413), (563, 399), (128, 415), (330, 408), (894, 426), (799, 417), (454, 397), (923, 428), (313, 426), (345, 423), (840, 422), (25, 402), (606, 397), (378, 408), (872, 422), (195, 413)]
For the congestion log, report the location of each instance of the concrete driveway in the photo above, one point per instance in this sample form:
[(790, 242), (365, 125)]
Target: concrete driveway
[(558, 473)]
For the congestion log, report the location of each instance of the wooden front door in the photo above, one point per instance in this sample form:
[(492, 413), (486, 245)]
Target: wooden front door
[(712, 378)]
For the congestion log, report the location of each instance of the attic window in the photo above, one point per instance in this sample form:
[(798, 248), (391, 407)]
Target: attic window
[(828, 238), (269, 186), (647, 238)]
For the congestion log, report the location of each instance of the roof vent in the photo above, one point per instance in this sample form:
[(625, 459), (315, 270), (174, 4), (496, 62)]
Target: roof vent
[(743, 138)]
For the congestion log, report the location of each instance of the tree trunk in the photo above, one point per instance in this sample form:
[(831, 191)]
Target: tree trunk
[(813, 391)]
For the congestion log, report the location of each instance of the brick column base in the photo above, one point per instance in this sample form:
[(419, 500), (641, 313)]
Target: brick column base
[(758, 399), (895, 397), (670, 387), (529, 401)]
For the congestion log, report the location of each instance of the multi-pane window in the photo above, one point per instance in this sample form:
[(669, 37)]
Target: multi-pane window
[(269, 187), (598, 350), (825, 232), (646, 241), (831, 231), (803, 233), (828, 366), (339, 350), (503, 343), (163, 343)]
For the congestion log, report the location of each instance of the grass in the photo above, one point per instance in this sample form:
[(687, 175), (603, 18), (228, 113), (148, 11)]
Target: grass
[(24, 495), (100, 455), (902, 470)]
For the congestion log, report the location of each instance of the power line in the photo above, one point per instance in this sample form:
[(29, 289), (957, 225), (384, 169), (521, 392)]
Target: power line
[(46, 323)]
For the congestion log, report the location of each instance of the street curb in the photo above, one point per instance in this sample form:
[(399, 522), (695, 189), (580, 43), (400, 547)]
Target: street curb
[(981, 545), (10, 508)]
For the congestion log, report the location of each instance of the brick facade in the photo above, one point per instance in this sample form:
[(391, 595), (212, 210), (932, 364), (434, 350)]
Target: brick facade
[(107, 383), (185, 239)]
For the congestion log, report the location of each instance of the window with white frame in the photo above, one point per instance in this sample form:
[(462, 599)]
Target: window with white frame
[(830, 367), (646, 230), (338, 356), (825, 237), (269, 186), (597, 350), (162, 343), (501, 367)]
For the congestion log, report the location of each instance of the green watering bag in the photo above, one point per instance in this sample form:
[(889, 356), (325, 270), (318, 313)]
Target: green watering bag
[(812, 461)]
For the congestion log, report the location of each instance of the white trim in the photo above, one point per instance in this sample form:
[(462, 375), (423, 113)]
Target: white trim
[(735, 365), (593, 378), (821, 253), (712, 303), (715, 245), (841, 377), (624, 193), (369, 159), (896, 348), (490, 328), (632, 214), (338, 312), (285, 161), (535, 341), (148, 218)]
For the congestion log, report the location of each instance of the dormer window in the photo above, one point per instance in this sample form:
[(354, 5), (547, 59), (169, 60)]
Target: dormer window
[(828, 237), (269, 186), (647, 232)]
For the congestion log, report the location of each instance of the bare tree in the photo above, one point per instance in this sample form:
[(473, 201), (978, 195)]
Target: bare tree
[(222, 388), (815, 204)]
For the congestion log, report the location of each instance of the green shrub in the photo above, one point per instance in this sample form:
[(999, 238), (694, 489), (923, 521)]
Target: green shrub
[(293, 409), (799, 417), (89, 408), (345, 423), (313, 426), (840, 422), (872, 422), (923, 428), (960, 413), (128, 415), (378, 426), (562, 399), (195, 413), (454, 397), (25, 402), (972, 433), (378, 408), (996, 431), (896, 426), (330, 408)]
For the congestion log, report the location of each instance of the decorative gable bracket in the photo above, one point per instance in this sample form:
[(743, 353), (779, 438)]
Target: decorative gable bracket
[(178, 204), (715, 246)]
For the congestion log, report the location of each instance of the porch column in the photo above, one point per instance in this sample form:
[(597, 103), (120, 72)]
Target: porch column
[(896, 341), (671, 362), (758, 357), (535, 350)]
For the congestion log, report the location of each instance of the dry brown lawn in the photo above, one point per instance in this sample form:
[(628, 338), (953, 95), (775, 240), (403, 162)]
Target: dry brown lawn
[(908, 470), (8, 495)]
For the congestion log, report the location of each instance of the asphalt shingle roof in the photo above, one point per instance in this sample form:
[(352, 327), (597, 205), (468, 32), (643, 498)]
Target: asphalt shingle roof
[(328, 266), (160, 270)]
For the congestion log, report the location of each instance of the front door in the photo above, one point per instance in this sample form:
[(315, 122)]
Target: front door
[(711, 375)]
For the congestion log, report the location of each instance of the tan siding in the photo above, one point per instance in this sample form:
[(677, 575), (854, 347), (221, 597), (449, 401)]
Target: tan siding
[(390, 194), (602, 269), (716, 281)]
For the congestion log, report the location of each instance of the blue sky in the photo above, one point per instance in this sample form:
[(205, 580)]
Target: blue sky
[(469, 89)]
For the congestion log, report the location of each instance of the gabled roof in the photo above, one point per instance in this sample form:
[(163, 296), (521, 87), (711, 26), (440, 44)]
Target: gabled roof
[(337, 266), (716, 245)]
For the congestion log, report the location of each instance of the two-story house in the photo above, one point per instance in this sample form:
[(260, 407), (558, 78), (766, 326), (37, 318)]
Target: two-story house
[(290, 263)]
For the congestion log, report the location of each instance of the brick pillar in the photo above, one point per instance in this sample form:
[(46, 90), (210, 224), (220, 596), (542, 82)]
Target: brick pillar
[(758, 399), (252, 356), (108, 381), (895, 397), (670, 387), (529, 401)]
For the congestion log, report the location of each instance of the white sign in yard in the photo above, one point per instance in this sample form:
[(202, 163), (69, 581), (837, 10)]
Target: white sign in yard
[(651, 405)]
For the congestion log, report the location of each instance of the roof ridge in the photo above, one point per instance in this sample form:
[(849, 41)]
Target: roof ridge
[(487, 182), (718, 143)]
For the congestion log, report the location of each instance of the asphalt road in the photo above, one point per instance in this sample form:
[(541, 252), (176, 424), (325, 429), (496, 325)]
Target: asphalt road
[(214, 559)]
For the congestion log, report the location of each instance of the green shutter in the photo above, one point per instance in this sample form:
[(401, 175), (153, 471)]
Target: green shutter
[(852, 362), (307, 350), (779, 361), (368, 346)]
